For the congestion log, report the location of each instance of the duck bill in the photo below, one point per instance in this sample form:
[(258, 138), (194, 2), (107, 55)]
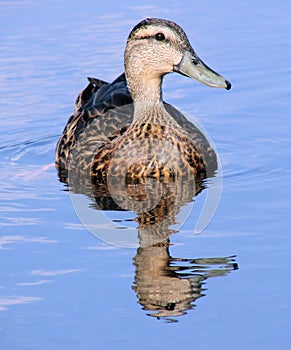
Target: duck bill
[(192, 66)]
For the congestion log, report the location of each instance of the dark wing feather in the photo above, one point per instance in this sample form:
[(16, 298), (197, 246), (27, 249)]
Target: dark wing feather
[(96, 101)]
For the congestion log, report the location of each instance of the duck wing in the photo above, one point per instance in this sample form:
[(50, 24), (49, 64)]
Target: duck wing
[(97, 106)]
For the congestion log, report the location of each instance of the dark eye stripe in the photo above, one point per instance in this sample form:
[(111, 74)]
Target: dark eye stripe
[(151, 37)]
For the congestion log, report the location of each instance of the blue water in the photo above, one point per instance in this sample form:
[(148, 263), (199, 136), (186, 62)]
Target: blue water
[(63, 288)]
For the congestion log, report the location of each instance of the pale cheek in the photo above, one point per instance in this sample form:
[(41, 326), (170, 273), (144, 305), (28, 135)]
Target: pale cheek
[(177, 57)]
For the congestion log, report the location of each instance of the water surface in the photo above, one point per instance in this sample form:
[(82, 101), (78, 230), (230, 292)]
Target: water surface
[(60, 286)]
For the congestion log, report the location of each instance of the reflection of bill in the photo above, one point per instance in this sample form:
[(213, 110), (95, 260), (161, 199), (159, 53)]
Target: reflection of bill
[(168, 287)]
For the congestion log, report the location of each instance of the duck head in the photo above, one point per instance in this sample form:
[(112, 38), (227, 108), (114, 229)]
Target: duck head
[(156, 47)]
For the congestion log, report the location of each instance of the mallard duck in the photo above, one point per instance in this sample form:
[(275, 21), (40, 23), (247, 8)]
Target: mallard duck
[(149, 138)]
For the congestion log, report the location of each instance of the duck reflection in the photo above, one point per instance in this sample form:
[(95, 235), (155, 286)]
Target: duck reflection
[(165, 286), (168, 287)]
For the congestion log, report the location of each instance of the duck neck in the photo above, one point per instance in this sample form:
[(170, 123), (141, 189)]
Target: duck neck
[(146, 90), (147, 100)]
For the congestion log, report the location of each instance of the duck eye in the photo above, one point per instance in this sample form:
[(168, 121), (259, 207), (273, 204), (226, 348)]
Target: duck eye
[(160, 36)]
